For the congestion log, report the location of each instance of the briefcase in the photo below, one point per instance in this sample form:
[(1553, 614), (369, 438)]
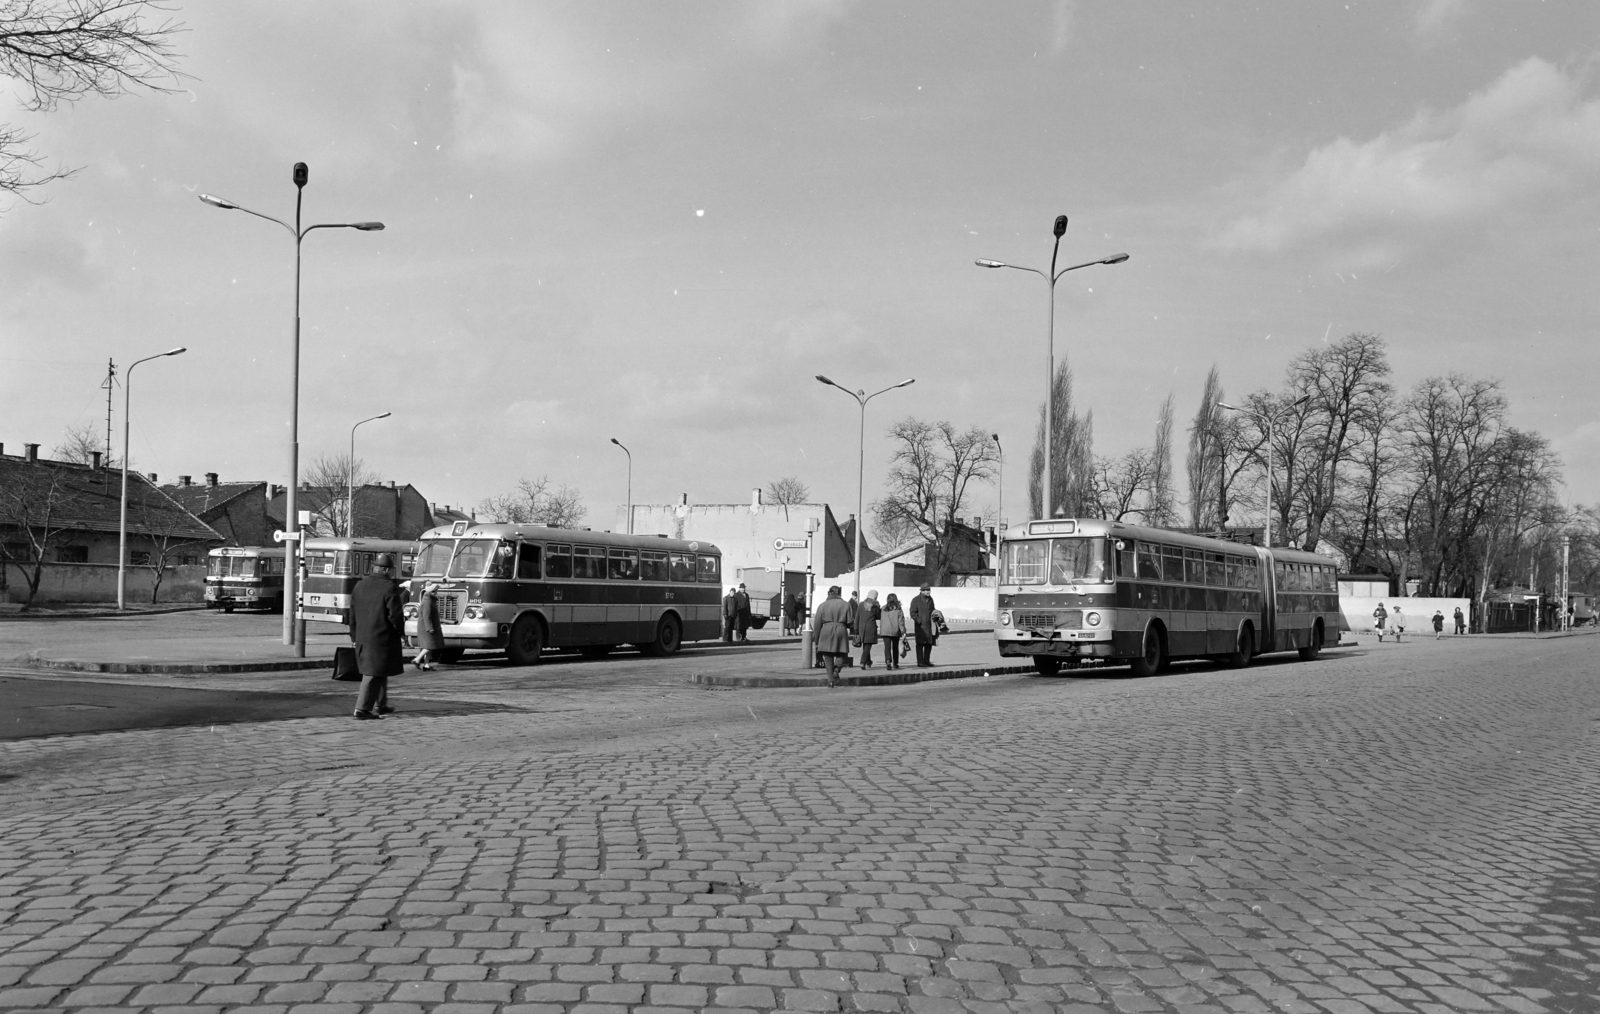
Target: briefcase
[(344, 665)]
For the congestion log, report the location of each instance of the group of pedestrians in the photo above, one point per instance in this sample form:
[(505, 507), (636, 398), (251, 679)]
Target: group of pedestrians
[(736, 615), (1383, 619), (841, 624)]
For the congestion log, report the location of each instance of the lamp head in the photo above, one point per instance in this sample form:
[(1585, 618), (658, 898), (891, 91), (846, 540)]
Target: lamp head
[(982, 263), (217, 202), (367, 226), (907, 382), (1061, 226), (1230, 408), (616, 441), (177, 351), (301, 174), (825, 380), (1115, 259), (384, 416)]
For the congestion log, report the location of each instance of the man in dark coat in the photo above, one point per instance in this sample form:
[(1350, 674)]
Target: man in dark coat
[(922, 626), (741, 606), (832, 636), (377, 626), (730, 615)]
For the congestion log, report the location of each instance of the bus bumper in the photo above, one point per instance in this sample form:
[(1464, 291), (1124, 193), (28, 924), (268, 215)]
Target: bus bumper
[(468, 634), (1062, 649)]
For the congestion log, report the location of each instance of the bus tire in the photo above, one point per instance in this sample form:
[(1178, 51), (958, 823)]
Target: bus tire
[(669, 637), (1046, 665), (227, 609), (526, 640), (1244, 649), (449, 656), (1153, 659), (595, 650), (1309, 652)]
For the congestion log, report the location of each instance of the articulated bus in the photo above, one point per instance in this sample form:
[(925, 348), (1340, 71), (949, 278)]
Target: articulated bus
[(244, 577), (333, 566), (528, 587), (1073, 590)]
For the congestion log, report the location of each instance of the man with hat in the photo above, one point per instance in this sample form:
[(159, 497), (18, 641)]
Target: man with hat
[(377, 625), (922, 626)]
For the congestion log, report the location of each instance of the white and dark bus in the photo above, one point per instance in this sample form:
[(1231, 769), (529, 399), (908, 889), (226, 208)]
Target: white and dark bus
[(525, 588), (1072, 590)]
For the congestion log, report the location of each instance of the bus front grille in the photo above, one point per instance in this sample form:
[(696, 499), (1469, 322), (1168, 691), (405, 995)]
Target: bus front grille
[(449, 608), (1072, 619)]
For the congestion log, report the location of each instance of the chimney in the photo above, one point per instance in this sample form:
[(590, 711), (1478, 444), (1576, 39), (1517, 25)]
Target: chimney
[(152, 478), (186, 480), (30, 452), (433, 508), (305, 487), (685, 500), (95, 455), (391, 484), (2, 450), (755, 499), (211, 479)]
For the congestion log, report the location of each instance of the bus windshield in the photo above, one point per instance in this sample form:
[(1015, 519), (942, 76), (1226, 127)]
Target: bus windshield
[(1055, 561), (471, 557), (232, 566), (433, 559)]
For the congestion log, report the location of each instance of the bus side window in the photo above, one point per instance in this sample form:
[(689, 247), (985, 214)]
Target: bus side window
[(528, 562), (1216, 573), (408, 563), (653, 565), (1194, 567), (710, 569), (589, 563), (1248, 573), (624, 564), (683, 568), (1125, 564), (558, 561), (1282, 575), (1172, 564), (1230, 575), (1149, 562), (503, 563)]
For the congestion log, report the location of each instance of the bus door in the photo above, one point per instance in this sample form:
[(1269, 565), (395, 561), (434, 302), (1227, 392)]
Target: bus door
[(1269, 602)]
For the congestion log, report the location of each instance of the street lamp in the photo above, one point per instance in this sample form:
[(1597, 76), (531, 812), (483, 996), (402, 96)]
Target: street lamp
[(1000, 456), (1266, 422), (630, 482), (350, 479), (291, 519), (862, 397), (1050, 341), (122, 526)]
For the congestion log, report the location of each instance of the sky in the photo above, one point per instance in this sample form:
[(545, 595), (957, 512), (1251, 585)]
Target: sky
[(657, 222)]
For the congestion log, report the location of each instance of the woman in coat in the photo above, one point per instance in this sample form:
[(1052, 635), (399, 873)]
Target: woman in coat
[(832, 634), (429, 637), (892, 627), (867, 627)]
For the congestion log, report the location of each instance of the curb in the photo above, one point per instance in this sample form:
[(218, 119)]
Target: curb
[(101, 614), (885, 679), (181, 667)]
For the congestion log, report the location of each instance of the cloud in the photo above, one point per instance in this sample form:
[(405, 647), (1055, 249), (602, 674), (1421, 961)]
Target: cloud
[(1530, 134), (1436, 17), (1061, 25)]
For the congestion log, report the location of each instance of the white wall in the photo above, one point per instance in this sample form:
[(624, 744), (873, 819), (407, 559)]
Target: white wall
[(1419, 613)]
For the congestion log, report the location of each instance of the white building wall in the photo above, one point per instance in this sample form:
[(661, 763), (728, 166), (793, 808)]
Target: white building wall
[(744, 532)]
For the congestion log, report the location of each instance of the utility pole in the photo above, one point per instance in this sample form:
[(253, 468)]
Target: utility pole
[(109, 383)]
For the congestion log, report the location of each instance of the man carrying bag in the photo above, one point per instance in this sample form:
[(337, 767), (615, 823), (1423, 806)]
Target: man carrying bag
[(377, 626)]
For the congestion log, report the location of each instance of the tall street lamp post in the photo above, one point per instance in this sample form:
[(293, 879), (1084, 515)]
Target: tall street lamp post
[(122, 525), (862, 397), (630, 482), (1000, 511), (1050, 338), (350, 479), (1266, 423), (291, 518)]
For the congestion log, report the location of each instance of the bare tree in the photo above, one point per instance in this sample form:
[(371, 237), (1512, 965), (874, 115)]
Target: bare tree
[(330, 479), (153, 511), (79, 444), (1125, 485), (926, 490), (534, 502), (61, 50), (1072, 466), (36, 507), (788, 492)]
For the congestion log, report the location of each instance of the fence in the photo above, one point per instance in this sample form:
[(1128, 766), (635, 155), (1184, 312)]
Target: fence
[(97, 582)]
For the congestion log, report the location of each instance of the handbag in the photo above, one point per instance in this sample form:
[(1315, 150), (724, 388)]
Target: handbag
[(345, 669)]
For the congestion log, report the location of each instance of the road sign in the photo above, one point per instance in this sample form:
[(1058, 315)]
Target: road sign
[(789, 544)]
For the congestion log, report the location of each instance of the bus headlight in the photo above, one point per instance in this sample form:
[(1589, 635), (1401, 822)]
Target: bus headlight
[(1092, 619), (472, 613), (410, 612), (1005, 618)]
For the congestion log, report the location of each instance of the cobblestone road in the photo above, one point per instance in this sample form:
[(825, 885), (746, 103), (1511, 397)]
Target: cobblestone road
[(1406, 828)]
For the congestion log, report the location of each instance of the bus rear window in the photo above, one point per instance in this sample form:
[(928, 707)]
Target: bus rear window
[(710, 569), (433, 559)]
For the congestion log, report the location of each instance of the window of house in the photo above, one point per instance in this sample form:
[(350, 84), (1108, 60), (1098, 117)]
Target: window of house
[(17, 551), (139, 558), (72, 554)]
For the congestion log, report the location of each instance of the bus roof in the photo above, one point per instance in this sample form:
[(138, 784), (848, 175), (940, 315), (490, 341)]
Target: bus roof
[(246, 551), (369, 545), (482, 530), (1096, 527)]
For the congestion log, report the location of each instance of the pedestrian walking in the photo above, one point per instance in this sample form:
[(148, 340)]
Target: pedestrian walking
[(741, 606), (892, 630), (1397, 619), (791, 614), (429, 637), (867, 615), (730, 615), (1461, 622), (922, 629), (1379, 615), (1438, 624), (377, 626), (832, 636)]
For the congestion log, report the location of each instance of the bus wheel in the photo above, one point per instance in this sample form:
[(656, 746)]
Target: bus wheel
[(1243, 652), (1153, 658), (595, 650), (669, 636), (1046, 665), (449, 656), (526, 641), (1309, 652), (227, 609)]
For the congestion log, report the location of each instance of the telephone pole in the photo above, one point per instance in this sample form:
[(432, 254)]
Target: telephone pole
[(109, 384)]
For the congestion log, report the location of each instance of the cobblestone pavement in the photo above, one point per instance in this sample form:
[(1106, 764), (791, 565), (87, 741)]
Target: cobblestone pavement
[(1405, 828)]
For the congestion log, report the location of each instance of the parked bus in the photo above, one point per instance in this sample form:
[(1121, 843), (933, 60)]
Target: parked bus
[(333, 566), (528, 587), (1070, 590), (244, 577)]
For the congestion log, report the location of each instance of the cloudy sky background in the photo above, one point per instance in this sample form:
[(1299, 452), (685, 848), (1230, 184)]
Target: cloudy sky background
[(656, 222)]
